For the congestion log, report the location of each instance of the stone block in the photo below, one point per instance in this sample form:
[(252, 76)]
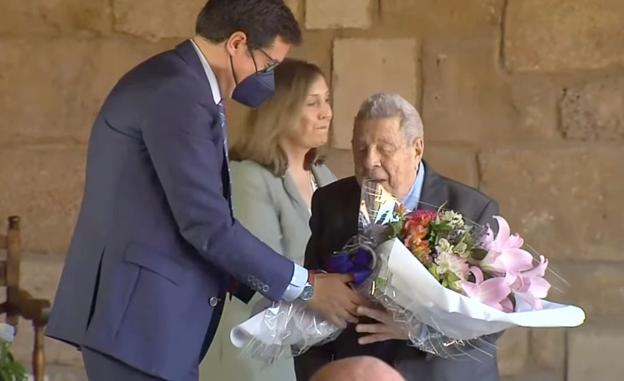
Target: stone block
[(331, 14), (51, 90), (157, 19), (534, 100), (595, 352), (536, 375), (563, 35), (455, 161), (565, 200), (37, 77), (316, 49), (513, 351), (548, 347), (594, 111), (391, 65), (43, 185), (598, 288), (443, 18), (108, 60), (466, 97), (296, 6), (53, 18)]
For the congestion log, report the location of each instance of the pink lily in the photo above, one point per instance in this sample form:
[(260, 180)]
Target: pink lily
[(531, 285), (504, 251), (494, 292)]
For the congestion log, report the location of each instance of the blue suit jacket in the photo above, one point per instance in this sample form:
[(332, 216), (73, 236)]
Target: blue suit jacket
[(155, 244)]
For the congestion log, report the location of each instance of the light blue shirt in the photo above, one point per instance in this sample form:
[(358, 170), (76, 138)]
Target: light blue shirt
[(300, 274), (412, 199)]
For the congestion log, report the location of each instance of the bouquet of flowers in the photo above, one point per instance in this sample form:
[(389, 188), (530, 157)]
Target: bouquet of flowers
[(463, 257), (450, 281), (492, 269)]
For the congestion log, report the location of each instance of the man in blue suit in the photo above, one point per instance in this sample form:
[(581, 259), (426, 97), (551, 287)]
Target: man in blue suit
[(156, 247)]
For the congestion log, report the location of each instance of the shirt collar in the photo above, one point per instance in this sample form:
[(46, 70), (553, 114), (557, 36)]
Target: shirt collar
[(212, 78), (412, 199)]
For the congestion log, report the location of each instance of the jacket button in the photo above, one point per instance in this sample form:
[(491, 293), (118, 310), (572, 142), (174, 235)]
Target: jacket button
[(214, 301)]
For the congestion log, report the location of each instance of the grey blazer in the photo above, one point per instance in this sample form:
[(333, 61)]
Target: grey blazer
[(271, 207)]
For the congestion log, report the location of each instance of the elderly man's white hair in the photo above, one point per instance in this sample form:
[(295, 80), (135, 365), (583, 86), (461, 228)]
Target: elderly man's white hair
[(388, 105)]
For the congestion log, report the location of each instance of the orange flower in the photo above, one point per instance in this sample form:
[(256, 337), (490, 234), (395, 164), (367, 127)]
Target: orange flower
[(416, 230)]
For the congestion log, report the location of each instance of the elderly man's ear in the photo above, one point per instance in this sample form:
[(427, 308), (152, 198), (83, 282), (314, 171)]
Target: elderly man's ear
[(419, 148)]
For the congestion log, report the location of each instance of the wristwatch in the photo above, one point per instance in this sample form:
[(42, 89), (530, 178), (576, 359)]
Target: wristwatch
[(308, 288)]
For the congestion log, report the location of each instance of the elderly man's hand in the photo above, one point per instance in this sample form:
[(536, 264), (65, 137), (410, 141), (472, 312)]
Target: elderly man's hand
[(386, 329), (334, 299)]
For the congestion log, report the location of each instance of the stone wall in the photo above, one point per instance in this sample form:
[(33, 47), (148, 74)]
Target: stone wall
[(521, 98)]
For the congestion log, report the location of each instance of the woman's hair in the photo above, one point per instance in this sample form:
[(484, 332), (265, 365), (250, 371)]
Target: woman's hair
[(268, 124)]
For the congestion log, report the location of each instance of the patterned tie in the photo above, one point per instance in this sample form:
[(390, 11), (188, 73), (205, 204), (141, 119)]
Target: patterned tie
[(225, 169)]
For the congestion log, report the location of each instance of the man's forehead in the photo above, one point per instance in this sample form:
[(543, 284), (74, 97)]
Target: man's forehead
[(387, 129)]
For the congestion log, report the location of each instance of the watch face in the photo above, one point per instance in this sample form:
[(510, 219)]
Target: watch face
[(308, 292)]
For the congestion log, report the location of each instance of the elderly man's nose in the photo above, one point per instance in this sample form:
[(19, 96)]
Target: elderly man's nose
[(372, 159)]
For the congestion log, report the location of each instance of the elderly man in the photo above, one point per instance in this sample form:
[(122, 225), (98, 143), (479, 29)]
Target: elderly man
[(388, 146), (361, 368)]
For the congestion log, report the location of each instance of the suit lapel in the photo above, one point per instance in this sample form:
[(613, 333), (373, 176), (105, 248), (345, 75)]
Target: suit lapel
[(341, 217), (189, 55), (186, 51), (295, 195), (293, 192), (434, 193)]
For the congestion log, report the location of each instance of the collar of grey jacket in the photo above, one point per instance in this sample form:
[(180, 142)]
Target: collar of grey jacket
[(322, 175)]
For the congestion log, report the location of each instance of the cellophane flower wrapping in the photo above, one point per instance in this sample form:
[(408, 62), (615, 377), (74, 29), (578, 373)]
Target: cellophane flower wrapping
[(452, 284), (282, 330)]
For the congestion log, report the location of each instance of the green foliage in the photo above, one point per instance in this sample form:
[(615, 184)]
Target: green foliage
[(395, 228), (478, 253), (10, 369)]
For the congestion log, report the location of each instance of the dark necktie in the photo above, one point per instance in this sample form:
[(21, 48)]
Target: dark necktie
[(233, 284), (225, 169)]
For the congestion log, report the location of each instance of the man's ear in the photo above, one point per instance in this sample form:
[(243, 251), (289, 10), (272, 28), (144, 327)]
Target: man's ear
[(236, 43), (419, 148)]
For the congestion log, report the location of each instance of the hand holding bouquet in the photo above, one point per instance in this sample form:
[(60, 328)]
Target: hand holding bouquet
[(448, 280)]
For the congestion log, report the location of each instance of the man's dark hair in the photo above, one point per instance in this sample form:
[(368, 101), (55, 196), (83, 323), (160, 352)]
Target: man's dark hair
[(261, 20)]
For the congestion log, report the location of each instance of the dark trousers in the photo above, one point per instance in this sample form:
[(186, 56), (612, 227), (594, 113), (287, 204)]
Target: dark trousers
[(101, 367)]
